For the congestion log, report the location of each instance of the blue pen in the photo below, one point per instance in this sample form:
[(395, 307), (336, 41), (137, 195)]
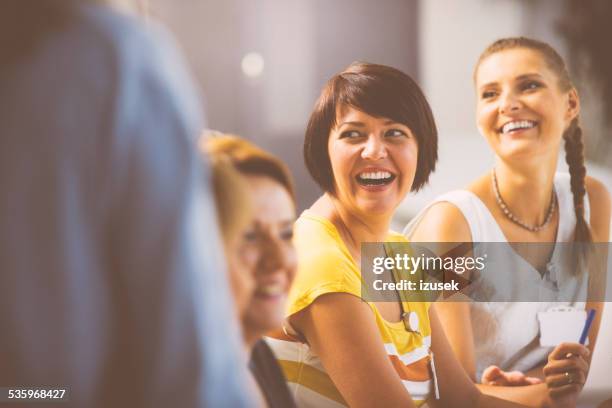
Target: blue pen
[(587, 326)]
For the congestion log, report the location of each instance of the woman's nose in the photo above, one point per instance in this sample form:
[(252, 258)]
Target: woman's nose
[(274, 256), (374, 149), (509, 102)]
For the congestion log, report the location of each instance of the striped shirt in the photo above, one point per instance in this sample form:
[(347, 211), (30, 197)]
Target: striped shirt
[(326, 266)]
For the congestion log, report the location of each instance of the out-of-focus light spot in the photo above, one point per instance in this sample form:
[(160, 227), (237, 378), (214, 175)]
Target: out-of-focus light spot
[(252, 65)]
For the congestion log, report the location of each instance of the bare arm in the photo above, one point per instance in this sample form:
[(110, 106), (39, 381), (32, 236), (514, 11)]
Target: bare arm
[(599, 200), (600, 203), (456, 388), (457, 326), (340, 343), (340, 328), (445, 223)]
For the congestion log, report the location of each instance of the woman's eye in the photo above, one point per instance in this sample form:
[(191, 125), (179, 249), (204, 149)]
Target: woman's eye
[(250, 236), (529, 85), (287, 234), (395, 133), (350, 134), (488, 94)]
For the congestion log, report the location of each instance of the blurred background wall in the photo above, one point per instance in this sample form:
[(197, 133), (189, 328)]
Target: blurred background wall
[(261, 65)]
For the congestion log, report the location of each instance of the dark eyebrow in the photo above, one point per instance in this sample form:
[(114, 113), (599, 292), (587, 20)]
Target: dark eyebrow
[(526, 76), (358, 124), (287, 223), (361, 124), (487, 85), (518, 78)]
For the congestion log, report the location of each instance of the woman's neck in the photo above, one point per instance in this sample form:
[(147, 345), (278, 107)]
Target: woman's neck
[(527, 191), (354, 228), (250, 337)]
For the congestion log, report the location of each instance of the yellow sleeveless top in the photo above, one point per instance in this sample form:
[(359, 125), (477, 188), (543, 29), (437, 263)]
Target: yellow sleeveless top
[(326, 266)]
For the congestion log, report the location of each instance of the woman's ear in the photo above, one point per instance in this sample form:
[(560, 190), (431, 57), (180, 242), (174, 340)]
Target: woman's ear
[(573, 105)]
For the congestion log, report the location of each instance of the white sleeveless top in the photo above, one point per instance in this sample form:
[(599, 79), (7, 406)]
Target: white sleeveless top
[(506, 334)]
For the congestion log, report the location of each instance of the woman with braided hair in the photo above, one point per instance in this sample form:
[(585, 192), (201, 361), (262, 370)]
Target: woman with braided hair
[(526, 108)]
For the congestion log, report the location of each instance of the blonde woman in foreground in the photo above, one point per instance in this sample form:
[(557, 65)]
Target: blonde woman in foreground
[(256, 207)]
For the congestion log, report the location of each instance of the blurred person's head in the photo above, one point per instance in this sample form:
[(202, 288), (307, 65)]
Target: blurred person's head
[(527, 106), (25, 24), (32, 21), (234, 216), (269, 237), (371, 138)]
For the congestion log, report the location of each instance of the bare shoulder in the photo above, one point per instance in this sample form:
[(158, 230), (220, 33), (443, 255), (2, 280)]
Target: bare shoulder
[(443, 222), (599, 201), (597, 191)]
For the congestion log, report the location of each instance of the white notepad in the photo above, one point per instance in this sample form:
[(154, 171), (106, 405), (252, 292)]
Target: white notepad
[(562, 324)]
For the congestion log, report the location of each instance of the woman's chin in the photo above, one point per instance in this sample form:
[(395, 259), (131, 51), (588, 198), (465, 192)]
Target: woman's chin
[(520, 151), (522, 147), (376, 208), (266, 314)]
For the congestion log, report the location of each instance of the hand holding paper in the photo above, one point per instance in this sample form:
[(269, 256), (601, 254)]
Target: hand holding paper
[(566, 370)]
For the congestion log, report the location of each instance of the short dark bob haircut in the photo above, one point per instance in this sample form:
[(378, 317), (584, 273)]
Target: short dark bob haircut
[(379, 91)]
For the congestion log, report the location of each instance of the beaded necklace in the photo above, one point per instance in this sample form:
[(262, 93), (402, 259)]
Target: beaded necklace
[(514, 218)]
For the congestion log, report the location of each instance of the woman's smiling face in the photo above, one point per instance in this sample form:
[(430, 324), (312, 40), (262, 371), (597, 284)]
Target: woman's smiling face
[(373, 161), (275, 260), (521, 110)]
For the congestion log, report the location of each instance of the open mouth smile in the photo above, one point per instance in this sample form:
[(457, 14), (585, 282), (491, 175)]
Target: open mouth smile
[(271, 290), (517, 126), (375, 178)]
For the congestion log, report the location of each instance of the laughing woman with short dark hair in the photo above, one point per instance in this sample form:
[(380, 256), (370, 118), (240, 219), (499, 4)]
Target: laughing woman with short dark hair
[(371, 139)]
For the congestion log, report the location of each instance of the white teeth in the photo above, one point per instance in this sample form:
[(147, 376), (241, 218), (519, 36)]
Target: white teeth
[(271, 290), (517, 124), (375, 175)]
